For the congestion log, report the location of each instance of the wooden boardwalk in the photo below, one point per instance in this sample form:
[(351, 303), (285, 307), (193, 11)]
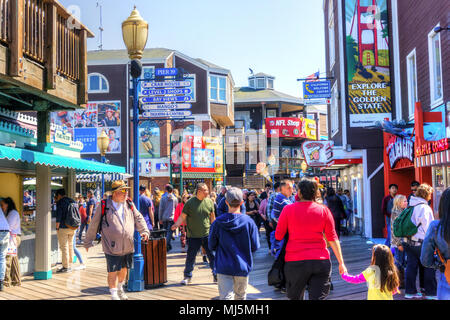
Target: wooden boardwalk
[(90, 284)]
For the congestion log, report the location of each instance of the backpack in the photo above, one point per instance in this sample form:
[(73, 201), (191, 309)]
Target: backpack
[(403, 225), (72, 219), (446, 264)]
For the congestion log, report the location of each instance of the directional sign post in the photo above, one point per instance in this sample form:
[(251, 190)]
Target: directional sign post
[(166, 113), (165, 99), (172, 106), (166, 72), (316, 90), (161, 92), (165, 84)]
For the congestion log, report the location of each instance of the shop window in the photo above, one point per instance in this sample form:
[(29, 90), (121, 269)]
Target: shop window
[(412, 82), (435, 64)]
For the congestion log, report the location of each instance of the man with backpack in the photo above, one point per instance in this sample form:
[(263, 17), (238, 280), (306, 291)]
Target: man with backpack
[(116, 219), (67, 222)]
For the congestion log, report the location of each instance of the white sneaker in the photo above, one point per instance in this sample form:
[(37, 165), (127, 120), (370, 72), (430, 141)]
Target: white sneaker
[(115, 297), (81, 267), (122, 295), (186, 281)]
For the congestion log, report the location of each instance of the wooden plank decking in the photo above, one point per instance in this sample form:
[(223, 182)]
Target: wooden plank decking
[(90, 284)]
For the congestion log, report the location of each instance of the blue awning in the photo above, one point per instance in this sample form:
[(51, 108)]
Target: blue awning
[(52, 160)]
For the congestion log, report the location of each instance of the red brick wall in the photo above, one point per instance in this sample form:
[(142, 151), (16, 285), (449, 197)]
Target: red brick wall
[(416, 19)]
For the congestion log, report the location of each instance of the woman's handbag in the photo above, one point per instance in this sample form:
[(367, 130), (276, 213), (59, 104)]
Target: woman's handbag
[(276, 276)]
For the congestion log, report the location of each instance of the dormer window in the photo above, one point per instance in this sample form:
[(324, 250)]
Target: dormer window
[(261, 81)]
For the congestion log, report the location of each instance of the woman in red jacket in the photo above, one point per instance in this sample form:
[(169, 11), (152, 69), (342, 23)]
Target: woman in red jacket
[(178, 211)]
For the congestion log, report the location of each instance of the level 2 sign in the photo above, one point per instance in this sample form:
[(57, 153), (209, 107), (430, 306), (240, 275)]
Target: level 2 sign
[(316, 90), (161, 92)]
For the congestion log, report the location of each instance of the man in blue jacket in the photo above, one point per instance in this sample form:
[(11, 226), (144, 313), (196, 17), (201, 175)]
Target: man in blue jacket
[(234, 237)]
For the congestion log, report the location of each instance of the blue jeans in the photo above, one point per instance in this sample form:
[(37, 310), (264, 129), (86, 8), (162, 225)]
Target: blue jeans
[(194, 245), (76, 251), (388, 227), (4, 243), (443, 290), (84, 226), (412, 266), (167, 225), (399, 257)]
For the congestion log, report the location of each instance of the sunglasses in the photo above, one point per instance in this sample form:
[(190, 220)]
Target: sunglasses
[(123, 191)]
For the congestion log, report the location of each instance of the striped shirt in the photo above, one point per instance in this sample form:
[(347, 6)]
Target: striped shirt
[(279, 203)]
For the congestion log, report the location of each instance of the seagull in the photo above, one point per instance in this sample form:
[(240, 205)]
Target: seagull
[(11, 144), (251, 71)]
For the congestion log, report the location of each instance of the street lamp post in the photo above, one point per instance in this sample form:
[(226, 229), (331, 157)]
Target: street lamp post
[(135, 33), (103, 144)]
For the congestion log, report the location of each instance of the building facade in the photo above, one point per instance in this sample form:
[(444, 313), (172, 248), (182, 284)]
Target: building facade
[(109, 84)]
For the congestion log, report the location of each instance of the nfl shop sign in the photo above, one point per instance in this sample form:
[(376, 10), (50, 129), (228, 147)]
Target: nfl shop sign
[(318, 153), (400, 148), (285, 127)]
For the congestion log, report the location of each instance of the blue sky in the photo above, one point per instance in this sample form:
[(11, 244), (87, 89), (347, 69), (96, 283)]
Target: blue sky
[(284, 38)]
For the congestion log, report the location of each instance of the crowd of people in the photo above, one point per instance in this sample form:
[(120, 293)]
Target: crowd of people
[(302, 223)]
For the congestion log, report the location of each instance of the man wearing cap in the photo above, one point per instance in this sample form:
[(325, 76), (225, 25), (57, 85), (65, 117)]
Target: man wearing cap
[(233, 236), (167, 207), (120, 217)]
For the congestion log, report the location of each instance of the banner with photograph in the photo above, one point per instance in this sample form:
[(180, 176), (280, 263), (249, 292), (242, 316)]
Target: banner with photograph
[(149, 140), (86, 125), (368, 76)]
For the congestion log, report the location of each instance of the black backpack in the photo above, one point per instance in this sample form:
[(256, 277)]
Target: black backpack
[(72, 219)]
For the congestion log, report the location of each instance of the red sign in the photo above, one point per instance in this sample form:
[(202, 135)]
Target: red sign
[(432, 147), (286, 127), (398, 149)]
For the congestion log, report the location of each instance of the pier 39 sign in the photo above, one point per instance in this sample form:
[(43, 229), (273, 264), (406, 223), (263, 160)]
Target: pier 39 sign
[(400, 148)]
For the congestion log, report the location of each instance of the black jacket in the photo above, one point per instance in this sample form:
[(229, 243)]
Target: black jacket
[(61, 211), (334, 203)]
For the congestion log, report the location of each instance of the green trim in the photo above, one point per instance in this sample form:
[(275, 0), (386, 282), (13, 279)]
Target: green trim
[(43, 275), (52, 160)]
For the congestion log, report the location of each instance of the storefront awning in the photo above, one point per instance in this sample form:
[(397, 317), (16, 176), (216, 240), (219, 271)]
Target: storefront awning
[(51, 160), (97, 177), (434, 159)]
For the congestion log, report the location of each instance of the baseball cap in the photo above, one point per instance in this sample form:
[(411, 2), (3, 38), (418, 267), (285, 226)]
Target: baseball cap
[(234, 197)]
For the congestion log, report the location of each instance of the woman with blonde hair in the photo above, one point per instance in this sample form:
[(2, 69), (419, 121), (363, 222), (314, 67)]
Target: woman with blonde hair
[(422, 216), (400, 204)]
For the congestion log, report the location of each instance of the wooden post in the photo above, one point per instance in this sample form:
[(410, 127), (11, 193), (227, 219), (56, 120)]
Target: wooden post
[(50, 46), (82, 86), (16, 36)]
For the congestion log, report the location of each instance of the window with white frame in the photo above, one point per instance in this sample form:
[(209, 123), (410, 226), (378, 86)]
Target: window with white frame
[(270, 83), (334, 111), (435, 63), (97, 83), (252, 83), (412, 82), (260, 83), (331, 35), (218, 88)]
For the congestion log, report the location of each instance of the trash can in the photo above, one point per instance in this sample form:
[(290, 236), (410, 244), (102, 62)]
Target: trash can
[(155, 261)]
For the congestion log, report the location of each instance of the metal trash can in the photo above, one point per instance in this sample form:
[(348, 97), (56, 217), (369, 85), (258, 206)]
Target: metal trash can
[(155, 259)]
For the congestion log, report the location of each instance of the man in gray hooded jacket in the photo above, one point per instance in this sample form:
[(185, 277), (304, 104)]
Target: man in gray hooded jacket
[(166, 213)]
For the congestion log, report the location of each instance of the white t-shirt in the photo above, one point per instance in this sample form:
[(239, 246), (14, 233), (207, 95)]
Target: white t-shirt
[(4, 225), (14, 222), (119, 208)]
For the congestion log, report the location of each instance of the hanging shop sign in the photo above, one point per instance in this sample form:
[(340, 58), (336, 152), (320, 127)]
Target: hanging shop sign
[(285, 127), (318, 153), (398, 149), (166, 113), (165, 99), (368, 75), (432, 147), (63, 137)]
